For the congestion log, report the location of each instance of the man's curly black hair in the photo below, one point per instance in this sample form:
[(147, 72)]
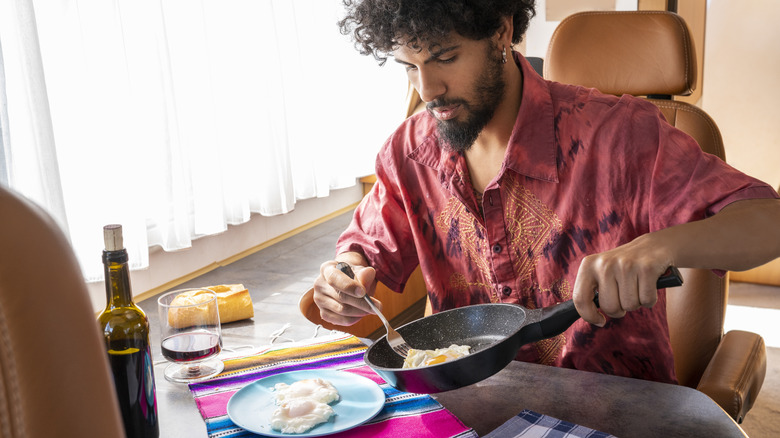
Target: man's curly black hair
[(380, 26)]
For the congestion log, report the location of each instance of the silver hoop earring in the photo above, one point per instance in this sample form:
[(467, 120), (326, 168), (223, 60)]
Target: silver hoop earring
[(503, 56)]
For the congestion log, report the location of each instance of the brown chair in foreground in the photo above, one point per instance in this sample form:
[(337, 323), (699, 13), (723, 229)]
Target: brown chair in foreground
[(650, 53), (54, 373)]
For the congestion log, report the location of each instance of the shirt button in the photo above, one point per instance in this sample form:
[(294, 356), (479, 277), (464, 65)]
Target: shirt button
[(496, 248), (506, 290)]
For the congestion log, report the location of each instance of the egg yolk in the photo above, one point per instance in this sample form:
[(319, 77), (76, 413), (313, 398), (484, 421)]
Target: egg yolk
[(438, 359)]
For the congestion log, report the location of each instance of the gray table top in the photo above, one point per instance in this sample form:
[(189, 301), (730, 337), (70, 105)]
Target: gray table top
[(621, 406)]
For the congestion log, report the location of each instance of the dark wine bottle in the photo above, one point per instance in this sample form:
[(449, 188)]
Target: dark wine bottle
[(125, 329)]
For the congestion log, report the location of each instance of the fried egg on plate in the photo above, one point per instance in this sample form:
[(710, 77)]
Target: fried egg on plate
[(424, 358), (299, 415), (303, 404), (317, 389)]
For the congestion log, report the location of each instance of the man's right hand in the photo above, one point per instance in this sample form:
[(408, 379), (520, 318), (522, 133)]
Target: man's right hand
[(339, 297)]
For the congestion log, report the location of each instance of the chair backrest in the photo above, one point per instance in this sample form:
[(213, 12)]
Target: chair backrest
[(651, 53), (54, 373)]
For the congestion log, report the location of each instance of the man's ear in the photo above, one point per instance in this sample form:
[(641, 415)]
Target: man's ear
[(505, 31)]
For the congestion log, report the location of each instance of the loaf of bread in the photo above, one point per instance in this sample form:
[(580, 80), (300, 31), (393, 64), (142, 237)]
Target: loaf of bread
[(233, 301)]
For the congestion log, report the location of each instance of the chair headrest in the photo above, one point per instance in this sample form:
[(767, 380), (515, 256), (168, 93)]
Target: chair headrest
[(624, 52)]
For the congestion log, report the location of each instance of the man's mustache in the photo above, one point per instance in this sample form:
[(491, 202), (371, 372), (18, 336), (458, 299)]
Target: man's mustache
[(445, 102)]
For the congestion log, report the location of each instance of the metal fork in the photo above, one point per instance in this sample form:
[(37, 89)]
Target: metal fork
[(395, 340)]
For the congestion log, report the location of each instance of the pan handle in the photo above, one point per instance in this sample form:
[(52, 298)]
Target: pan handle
[(554, 320)]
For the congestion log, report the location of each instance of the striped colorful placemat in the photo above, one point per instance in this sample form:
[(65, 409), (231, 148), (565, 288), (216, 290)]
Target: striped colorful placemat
[(404, 414)]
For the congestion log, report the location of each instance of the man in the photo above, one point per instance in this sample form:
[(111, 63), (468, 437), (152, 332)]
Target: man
[(514, 189)]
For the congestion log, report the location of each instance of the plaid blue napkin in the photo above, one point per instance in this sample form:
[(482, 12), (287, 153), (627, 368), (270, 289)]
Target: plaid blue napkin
[(529, 424)]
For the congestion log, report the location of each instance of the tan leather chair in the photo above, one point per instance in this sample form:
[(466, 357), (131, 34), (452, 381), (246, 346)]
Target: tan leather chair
[(650, 53), (54, 373)]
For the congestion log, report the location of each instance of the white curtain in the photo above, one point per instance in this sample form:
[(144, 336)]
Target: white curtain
[(176, 118)]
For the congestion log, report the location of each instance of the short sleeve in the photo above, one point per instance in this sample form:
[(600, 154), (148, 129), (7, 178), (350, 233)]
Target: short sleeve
[(685, 183)]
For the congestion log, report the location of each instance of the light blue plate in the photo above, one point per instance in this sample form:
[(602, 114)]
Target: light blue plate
[(360, 399)]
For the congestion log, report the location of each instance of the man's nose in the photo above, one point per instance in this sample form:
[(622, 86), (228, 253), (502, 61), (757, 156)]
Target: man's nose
[(430, 86)]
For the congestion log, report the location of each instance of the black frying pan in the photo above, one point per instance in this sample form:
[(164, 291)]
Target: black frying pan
[(495, 333)]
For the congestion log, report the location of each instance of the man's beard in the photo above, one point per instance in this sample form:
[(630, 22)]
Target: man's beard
[(488, 91)]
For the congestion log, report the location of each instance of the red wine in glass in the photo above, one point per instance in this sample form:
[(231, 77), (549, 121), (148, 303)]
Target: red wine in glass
[(190, 346)]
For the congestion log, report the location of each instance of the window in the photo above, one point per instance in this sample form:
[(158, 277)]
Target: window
[(177, 118)]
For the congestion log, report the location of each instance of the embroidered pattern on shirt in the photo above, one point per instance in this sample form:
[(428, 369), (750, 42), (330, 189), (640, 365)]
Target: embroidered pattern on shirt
[(529, 223), (459, 281), (550, 349), (478, 196), (466, 237), (530, 226)]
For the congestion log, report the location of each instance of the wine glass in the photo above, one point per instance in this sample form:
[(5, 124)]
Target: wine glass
[(191, 334)]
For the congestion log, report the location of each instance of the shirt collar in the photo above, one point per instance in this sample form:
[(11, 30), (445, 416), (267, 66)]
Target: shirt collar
[(531, 149)]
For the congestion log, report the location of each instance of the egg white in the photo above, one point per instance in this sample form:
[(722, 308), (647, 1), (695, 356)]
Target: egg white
[(299, 415), (314, 389), (421, 358)]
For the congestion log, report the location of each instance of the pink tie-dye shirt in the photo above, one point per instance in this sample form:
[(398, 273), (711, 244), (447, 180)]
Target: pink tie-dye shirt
[(584, 172)]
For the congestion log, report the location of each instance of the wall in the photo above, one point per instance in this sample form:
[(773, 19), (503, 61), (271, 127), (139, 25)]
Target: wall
[(741, 91)]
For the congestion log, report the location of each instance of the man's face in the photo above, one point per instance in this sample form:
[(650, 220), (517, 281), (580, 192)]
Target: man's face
[(462, 82)]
